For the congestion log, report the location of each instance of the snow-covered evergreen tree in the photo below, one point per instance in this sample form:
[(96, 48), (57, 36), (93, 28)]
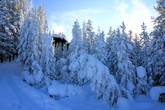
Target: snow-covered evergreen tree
[(102, 81), (58, 50), (13, 8), (28, 47), (109, 39), (75, 51), (40, 13), (113, 53), (90, 36), (125, 74), (9, 27), (42, 19), (156, 62), (84, 37), (145, 45), (100, 47), (50, 58), (62, 70), (23, 6), (111, 42), (137, 52), (130, 34), (5, 34)]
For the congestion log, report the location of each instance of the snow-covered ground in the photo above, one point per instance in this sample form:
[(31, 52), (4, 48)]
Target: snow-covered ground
[(15, 94)]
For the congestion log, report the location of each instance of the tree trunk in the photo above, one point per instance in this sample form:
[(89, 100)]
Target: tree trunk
[(13, 56), (9, 58), (1, 57)]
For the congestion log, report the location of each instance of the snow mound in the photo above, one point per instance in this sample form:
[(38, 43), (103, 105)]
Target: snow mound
[(64, 90), (130, 87), (141, 71), (27, 77), (156, 91), (35, 76), (123, 104)]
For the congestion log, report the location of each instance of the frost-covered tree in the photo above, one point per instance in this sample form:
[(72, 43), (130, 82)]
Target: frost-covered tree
[(137, 52), (50, 58), (100, 47), (62, 72), (90, 36), (156, 62), (5, 34), (125, 74), (42, 19), (112, 55), (84, 37), (62, 62), (109, 39), (40, 13), (102, 81), (28, 48), (9, 27), (13, 8), (43, 52), (145, 43), (75, 48), (23, 6), (144, 36), (130, 34), (65, 51), (58, 50), (109, 48)]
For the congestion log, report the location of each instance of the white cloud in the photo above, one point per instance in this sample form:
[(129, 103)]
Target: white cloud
[(82, 13), (57, 28), (135, 15), (54, 26)]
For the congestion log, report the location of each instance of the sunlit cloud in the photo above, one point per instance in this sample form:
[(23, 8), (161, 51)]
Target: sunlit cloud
[(57, 28), (54, 26), (82, 13), (135, 15)]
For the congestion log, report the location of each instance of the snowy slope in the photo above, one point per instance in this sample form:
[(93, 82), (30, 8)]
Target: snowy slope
[(17, 95)]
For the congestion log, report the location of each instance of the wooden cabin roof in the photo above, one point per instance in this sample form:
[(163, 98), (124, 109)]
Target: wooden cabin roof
[(59, 38)]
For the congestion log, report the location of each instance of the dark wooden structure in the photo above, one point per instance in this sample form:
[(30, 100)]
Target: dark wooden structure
[(57, 39)]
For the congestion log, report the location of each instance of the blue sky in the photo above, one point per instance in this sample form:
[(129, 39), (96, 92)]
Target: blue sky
[(104, 13)]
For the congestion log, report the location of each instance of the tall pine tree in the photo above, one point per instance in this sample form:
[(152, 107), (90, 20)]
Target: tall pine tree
[(28, 47), (9, 27), (156, 62)]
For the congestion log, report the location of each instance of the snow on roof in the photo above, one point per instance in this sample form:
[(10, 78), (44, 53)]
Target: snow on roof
[(58, 36)]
